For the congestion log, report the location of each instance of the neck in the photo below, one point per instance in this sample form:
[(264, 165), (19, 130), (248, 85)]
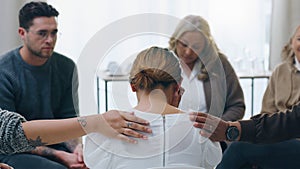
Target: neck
[(187, 68), (156, 103)]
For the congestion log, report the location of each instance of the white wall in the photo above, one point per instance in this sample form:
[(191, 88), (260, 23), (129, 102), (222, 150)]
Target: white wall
[(285, 18), (9, 24)]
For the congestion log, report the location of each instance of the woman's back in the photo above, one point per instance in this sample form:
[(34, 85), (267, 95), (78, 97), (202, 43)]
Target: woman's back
[(173, 142)]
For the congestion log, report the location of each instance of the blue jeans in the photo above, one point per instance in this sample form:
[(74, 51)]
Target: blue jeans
[(283, 155)]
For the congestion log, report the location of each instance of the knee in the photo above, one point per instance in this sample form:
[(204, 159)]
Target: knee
[(20, 161)]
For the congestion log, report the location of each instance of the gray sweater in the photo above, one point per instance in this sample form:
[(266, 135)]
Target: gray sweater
[(12, 136), (39, 92), (48, 91)]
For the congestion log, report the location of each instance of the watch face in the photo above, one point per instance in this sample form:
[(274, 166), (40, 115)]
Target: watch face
[(232, 133)]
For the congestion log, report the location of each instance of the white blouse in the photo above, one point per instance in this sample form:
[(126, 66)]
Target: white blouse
[(173, 143), (194, 96)]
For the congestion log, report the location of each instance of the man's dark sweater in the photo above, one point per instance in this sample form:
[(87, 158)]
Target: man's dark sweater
[(38, 92)]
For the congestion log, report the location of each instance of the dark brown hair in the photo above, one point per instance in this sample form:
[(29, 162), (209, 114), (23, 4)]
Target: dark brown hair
[(32, 10)]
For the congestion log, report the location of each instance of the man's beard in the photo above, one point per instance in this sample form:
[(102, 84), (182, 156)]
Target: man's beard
[(39, 54)]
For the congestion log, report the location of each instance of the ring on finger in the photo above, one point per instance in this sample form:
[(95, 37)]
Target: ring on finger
[(129, 124)]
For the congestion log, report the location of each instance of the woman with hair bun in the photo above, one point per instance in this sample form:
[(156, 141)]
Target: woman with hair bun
[(174, 142)]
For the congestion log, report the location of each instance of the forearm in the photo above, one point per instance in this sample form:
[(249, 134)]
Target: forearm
[(44, 132), (45, 152), (55, 155), (272, 128)]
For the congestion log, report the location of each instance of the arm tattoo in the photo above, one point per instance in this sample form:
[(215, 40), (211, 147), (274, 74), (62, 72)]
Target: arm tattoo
[(37, 142), (45, 152), (82, 121)]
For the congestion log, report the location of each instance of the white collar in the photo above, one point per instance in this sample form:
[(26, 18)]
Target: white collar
[(196, 69), (297, 64)]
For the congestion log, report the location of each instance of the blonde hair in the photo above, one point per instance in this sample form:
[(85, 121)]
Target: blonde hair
[(192, 23), (155, 66), (287, 53)]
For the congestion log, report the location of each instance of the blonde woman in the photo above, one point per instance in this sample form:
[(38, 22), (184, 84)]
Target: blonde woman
[(191, 41), (194, 45), (174, 142)]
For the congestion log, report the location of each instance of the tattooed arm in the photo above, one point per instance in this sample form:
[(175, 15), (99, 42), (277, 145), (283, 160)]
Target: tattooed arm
[(112, 124)]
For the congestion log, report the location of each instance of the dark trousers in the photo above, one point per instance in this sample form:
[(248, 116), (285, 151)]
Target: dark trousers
[(283, 155), (31, 161)]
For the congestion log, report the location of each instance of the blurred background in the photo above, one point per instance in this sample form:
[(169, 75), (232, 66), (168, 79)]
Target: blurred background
[(250, 32)]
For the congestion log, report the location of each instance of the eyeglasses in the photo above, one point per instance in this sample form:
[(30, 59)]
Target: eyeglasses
[(43, 34)]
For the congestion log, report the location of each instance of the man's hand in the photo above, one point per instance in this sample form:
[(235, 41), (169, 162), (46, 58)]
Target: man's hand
[(212, 127), (70, 160), (5, 166), (79, 153)]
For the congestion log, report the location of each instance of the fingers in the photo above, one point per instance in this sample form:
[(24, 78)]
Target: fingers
[(79, 153), (137, 127), (131, 117), (127, 124), (211, 127), (198, 116), (132, 133), (131, 128), (5, 166), (198, 125), (204, 133), (135, 123), (78, 166), (126, 139)]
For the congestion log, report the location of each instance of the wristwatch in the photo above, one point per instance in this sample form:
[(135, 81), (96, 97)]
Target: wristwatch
[(232, 133)]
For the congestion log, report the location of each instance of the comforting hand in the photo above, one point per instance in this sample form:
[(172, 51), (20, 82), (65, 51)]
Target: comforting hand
[(79, 153), (5, 166), (127, 124), (213, 127), (71, 160)]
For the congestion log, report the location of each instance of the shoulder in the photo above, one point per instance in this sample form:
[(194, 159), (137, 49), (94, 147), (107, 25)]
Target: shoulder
[(8, 63), (61, 59), (282, 69), (7, 58), (228, 69), (62, 64), (283, 66), (225, 62)]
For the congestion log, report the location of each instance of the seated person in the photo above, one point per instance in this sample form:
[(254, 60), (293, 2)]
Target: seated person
[(282, 93), (156, 77)]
